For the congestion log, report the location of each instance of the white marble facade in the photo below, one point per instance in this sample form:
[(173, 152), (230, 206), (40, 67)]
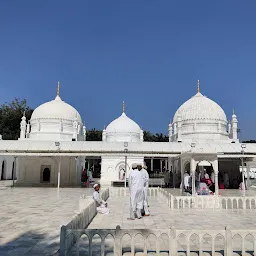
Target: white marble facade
[(198, 120)]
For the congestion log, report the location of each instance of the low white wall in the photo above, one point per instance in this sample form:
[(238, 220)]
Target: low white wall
[(81, 221)]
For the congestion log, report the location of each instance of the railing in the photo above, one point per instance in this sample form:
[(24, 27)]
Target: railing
[(80, 221), (163, 242), (152, 192), (208, 202)]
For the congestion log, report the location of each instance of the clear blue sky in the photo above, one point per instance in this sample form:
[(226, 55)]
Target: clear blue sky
[(148, 53)]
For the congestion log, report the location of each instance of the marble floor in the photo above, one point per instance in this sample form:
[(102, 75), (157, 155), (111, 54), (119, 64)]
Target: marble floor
[(30, 218), (162, 217)]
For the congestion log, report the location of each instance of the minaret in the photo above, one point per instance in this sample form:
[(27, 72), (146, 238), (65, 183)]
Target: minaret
[(179, 128), (198, 86), (23, 125), (229, 128), (141, 135), (75, 126), (174, 128), (104, 137), (170, 131), (84, 132), (28, 129), (234, 127)]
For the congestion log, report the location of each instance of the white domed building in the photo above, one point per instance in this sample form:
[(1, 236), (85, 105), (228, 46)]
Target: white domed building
[(122, 129), (200, 119), (55, 121)]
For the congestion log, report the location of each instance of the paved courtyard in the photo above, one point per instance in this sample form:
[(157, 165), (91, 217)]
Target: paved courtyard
[(30, 218), (162, 217)]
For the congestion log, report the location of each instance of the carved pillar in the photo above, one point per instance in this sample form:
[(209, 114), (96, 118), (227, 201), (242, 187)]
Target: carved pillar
[(248, 183), (152, 166), (182, 175), (216, 173), (193, 171)]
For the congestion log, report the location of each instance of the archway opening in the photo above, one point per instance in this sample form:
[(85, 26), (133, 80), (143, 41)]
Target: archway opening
[(46, 175), (3, 171), (205, 175), (13, 166)]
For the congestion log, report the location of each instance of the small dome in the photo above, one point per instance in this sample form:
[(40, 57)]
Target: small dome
[(200, 107), (123, 129), (56, 109), (123, 124)]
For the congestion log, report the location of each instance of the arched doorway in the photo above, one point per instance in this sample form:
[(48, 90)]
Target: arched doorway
[(205, 170), (46, 175), (13, 166), (3, 171)]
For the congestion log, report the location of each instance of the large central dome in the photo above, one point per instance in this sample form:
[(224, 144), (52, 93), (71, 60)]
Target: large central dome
[(200, 107), (199, 118)]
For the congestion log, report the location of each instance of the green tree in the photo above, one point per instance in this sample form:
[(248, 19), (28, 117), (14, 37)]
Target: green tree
[(249, 141), (10, 118), (158, 137), (94, 135)]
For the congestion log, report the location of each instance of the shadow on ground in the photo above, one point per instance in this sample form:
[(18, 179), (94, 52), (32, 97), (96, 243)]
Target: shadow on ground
[(31, 244)]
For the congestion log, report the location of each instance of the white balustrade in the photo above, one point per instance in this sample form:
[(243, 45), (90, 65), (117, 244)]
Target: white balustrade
[(178, 241)]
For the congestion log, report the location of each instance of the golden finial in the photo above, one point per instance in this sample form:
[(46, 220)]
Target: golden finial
[(123, 107), (198, 85), (58, 89)]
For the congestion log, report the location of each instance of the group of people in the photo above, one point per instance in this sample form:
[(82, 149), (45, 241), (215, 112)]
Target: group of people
[(204, 184), (138, 186), (86, 177)]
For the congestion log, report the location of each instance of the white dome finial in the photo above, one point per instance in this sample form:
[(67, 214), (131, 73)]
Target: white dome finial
[(123, 107), (58, 89), (198, 85)]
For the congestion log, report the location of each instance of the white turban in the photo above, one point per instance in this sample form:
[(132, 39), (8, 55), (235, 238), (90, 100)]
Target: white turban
[(134, 165), (95, 185)]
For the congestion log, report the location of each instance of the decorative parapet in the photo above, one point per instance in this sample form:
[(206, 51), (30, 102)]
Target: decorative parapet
[(177, 241), (208, 202)]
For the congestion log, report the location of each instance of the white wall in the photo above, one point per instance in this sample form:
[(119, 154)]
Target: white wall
[(110, 167), (29, 170)]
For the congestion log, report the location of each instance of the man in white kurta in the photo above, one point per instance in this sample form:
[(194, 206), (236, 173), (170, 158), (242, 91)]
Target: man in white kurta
[(146, 182), (100, 204), (136, 186), (186, 180)]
